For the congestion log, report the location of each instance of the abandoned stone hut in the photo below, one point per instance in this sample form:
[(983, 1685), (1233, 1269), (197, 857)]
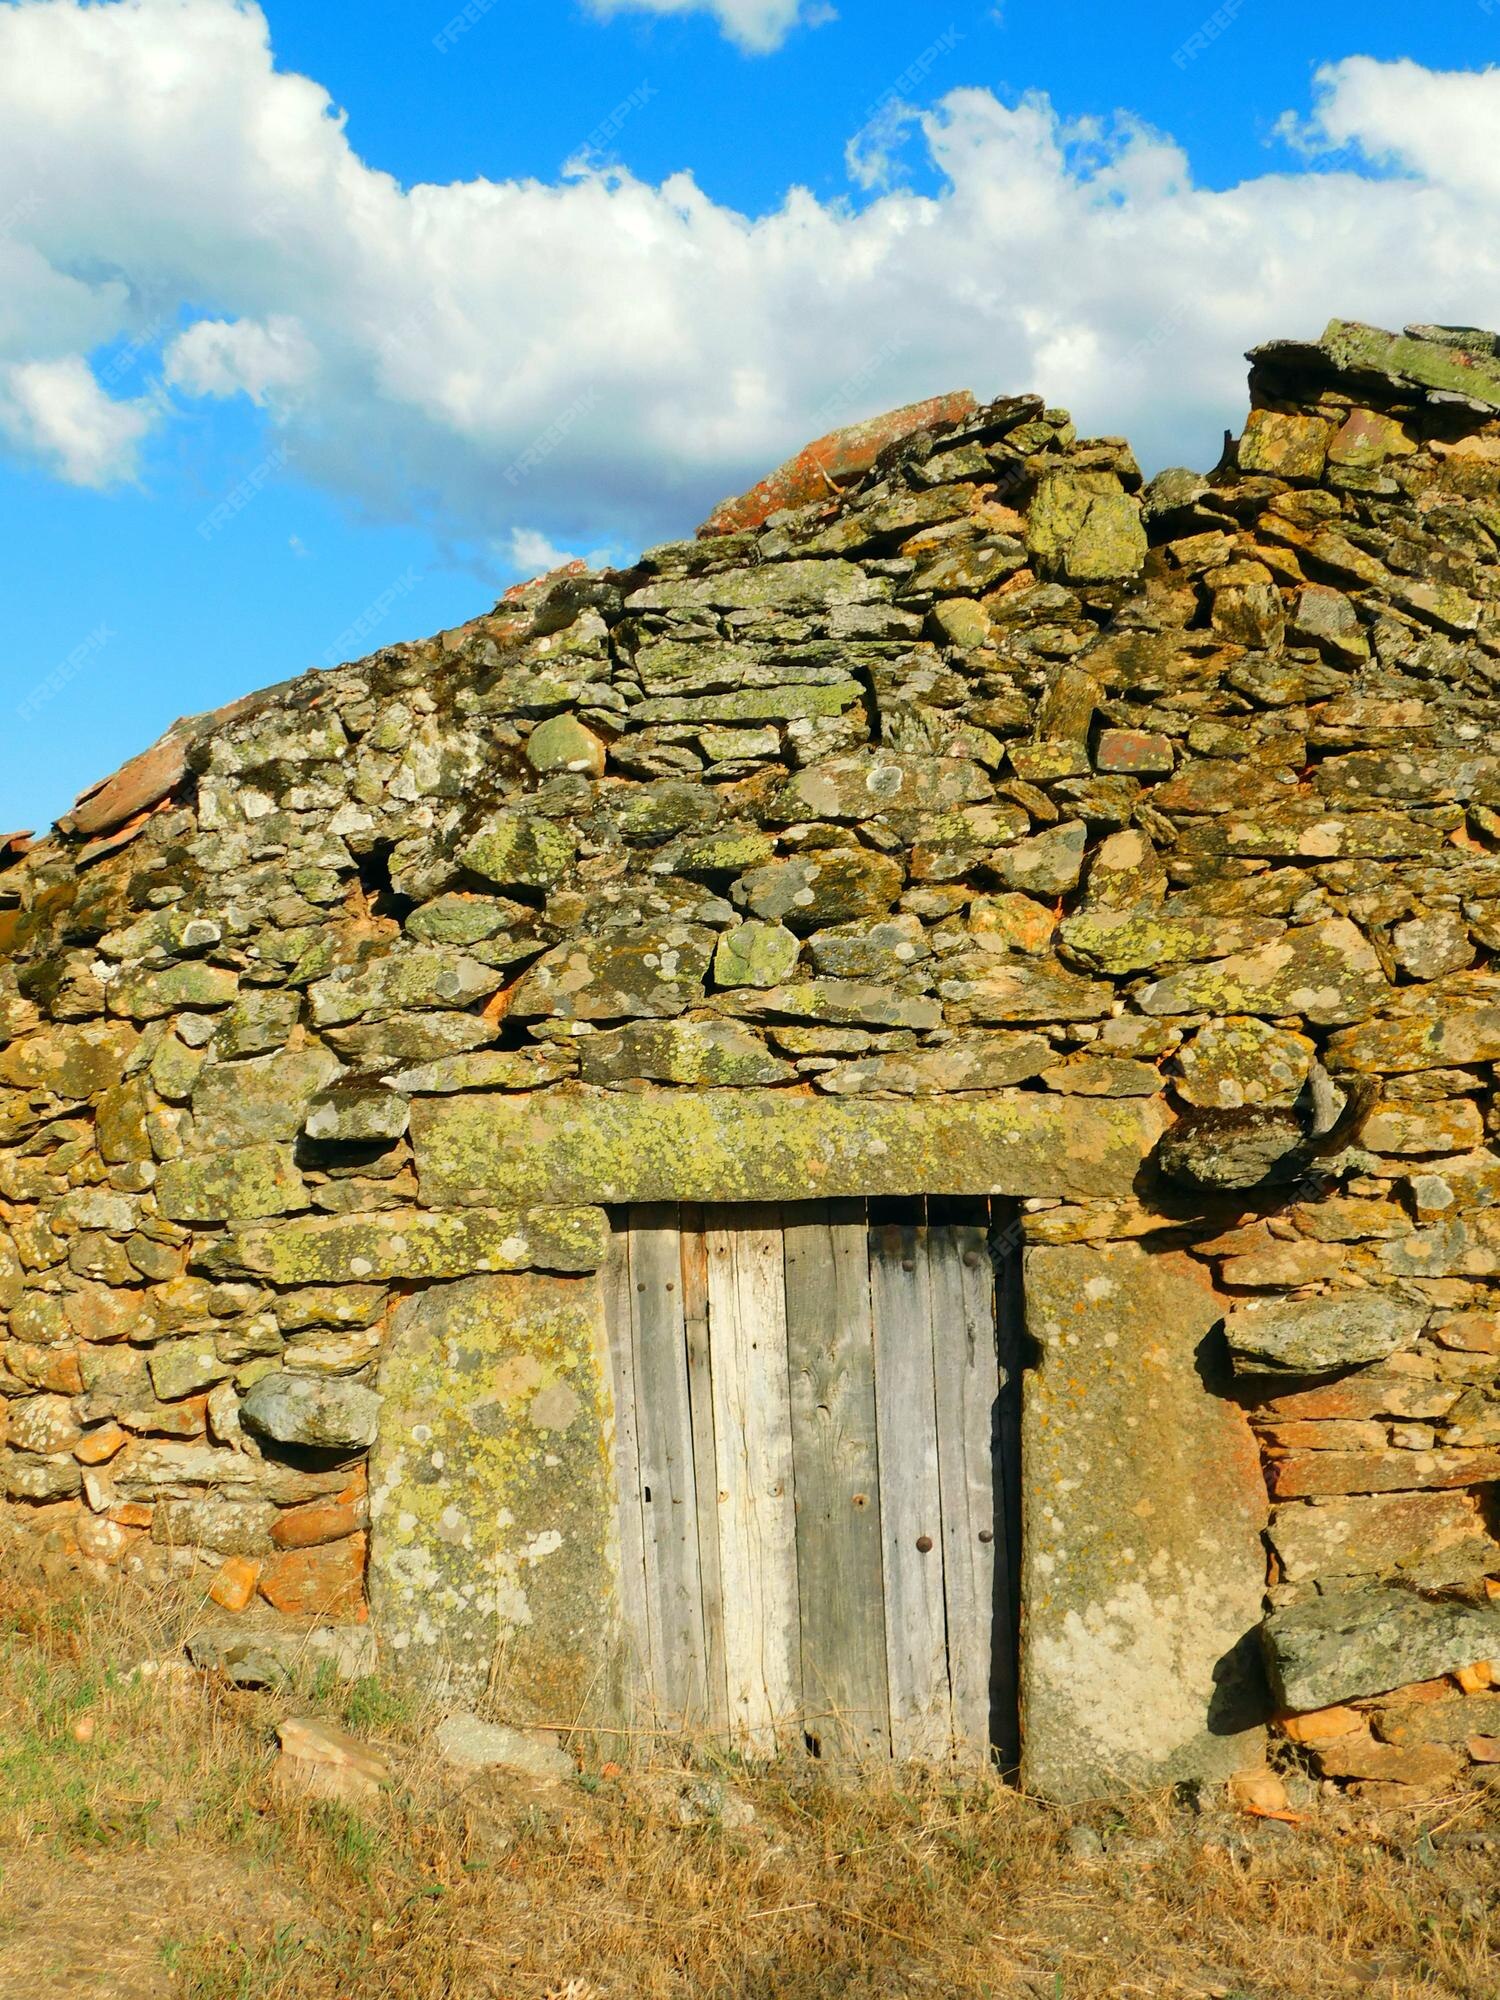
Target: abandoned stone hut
[(874, 1134)]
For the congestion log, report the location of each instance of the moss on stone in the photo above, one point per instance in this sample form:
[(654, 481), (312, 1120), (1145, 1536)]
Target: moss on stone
[(516, 852), (751, 1145), (410, 1245), (492, 1492), (73, 1062), (1084, 527), (779, 704), (755, 954), (1327, 972), (151, 996), (774, 585), (241, 1186)]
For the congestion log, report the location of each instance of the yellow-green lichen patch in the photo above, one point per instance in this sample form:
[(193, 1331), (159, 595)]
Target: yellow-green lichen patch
[(235, 1186), (1327, 972), (774, 1145), (1139, 1666), (410, 1245), (74, 1062), (491, 1499)]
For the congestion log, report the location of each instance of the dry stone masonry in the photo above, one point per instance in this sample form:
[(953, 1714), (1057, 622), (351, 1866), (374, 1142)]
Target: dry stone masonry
[(956, 814)]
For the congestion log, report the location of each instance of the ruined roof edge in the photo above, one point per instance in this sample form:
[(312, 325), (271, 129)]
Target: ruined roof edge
[(1439, 365)]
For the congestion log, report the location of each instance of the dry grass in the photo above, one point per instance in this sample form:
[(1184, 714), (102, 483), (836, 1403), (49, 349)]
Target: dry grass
[(159, 1857)]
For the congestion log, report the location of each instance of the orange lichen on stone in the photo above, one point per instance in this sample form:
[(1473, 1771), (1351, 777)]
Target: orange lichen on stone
[(311, 1526), (98, 1447), (137, 786), (830, 461), (1320, 1725), (234, 1586), (323, 1582)]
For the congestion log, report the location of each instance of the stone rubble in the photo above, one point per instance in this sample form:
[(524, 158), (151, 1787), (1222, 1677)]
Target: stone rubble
[(954, 759), (470, 1744), (320, 1758)]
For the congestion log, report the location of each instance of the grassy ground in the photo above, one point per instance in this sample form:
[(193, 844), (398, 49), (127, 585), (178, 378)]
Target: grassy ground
[(148, 1849)]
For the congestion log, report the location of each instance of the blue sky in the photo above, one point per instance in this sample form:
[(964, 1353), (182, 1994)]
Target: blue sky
[(276, 388), (517, 92)]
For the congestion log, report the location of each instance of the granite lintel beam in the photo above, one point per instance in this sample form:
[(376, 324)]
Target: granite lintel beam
[(574, 1145)]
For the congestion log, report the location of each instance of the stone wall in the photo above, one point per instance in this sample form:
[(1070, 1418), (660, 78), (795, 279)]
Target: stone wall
[(982, 819)]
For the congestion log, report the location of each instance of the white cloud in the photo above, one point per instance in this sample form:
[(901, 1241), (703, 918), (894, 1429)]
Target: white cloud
[(871, 155), (597, 360), (756, 25), (268, 362), (534, 555), (530, 554), (56, 412), (1438, 127)]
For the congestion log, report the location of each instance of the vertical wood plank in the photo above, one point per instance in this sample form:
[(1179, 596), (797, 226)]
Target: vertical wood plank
[(1005, 1650), (830, 1344), (910, 1489), (669, 1509), (634, 1617), (705, 1466), (966, 1373), (753, 1446)]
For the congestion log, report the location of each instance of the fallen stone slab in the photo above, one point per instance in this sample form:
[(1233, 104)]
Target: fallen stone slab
[(156, 773), (1426, 1766), (144, 782), (470, 1744), (327, 1761)]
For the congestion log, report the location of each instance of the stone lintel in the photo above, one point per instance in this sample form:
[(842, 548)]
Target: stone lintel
[(1143, 1572), (407, 1245), (572, 1145)]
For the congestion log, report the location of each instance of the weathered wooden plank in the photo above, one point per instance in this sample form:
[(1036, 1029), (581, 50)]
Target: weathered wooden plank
[(706, 1477), (830, 1345), (634, 1617), (1005, 1646), (910, 1491), (753, 1448), (966, 1372), (669, 1510)]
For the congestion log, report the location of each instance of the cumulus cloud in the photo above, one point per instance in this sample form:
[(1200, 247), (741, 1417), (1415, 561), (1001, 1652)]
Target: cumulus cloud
[(756, 25), (1438, 127), (533, 552), (596, 360), (265, 360), (56, 412)]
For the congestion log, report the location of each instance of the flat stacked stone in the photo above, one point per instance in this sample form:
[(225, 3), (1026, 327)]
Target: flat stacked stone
[(954, 762)]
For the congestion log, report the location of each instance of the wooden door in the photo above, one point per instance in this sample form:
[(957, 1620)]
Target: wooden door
[(817, 1439)]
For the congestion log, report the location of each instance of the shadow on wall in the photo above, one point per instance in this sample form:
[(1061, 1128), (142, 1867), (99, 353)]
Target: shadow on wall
[(1241, 1697)]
